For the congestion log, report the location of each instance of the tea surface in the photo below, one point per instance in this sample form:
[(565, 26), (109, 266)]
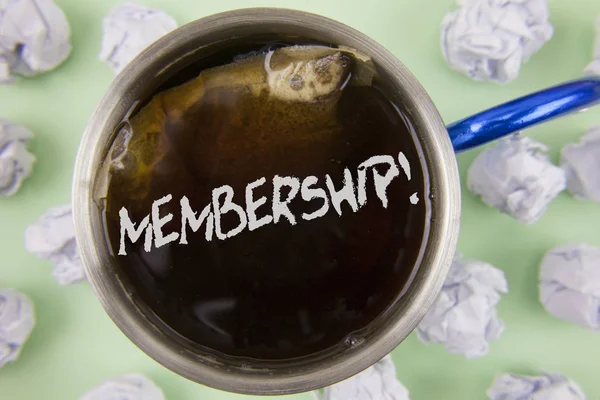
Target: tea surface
[(309, 275)]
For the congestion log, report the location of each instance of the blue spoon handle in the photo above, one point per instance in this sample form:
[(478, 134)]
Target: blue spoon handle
[(524, 112)]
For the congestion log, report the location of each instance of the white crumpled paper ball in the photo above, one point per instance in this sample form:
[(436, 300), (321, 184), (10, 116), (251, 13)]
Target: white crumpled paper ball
[(17, 320), (581, 163), (125, 387), (545, 387), (464, 317), (129, 29), (516, 176), (570, 284), (593, 68), (52, 238), (488, 40), (377, 382), (35, 36), (16, 162)]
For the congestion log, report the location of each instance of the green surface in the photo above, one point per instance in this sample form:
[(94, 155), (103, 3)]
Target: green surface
[(75, 345)]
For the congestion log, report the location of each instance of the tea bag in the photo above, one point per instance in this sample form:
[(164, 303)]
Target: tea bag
[(52, 237), (125, 387), (516, 176), (593, 68), (300, 83), (128, 29), (570, 284), (581, 163), (378, 382), (17, 320), (489, 40), (35, 37), (464, 317), (544, 387), (16, 162)]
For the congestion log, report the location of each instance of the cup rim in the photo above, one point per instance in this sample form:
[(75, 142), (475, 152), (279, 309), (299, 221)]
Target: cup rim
[(118, 304)]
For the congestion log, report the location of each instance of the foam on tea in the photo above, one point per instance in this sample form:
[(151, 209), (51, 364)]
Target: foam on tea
[(274, 203)]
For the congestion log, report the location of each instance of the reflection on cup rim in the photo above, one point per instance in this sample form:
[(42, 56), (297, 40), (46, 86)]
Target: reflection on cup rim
[(140, 78)]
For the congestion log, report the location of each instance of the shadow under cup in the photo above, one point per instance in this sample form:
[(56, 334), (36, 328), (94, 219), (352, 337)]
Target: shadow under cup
[(146, 75)]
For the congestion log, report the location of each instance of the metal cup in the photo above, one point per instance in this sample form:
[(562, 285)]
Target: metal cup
[(188, 44)]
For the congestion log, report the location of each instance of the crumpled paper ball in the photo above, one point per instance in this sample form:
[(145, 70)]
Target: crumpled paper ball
[(52, 238), (464, 317), (35, 36), (16, 162), (129, 29), (125, 387), (489, 40), (545, 387), (377, 382), (581, 162), (593, 68), (516, 176), (17, 320), (570, 284)]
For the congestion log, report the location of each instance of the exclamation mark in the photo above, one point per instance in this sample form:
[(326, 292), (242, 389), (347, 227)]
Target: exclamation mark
[(403, 161)]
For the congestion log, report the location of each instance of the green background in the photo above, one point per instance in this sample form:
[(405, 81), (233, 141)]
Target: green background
[(75, 345)]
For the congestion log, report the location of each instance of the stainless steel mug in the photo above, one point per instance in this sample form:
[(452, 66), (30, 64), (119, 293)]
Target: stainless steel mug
[(437, 148)]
